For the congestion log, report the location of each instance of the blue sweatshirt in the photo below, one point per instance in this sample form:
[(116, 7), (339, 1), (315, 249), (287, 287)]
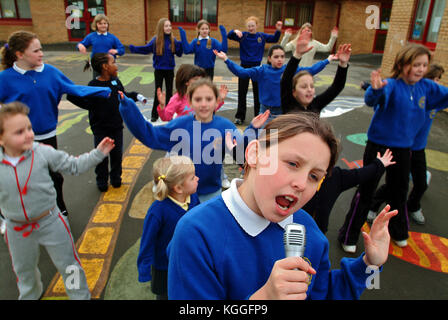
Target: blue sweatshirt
[(221, 250), (41, 92), (102, 43), (252, 45), (204, 143), (158, 229), (203, 56), (269, 79), (165, 61), (400, 110)]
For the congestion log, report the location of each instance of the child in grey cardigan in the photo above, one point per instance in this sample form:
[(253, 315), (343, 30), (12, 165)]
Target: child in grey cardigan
[(28, 203)]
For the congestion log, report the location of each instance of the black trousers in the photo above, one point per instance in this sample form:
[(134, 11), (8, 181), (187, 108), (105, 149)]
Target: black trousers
[(58, 179), (397, 181), (210, 72), (115, 156), (159, 76), (243, 86), (418, 173)]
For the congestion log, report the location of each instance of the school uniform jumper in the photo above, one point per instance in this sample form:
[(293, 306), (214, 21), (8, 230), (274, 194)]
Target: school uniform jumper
[(158, 229), (41, 90), (289, 102), (251, 54), (202, 142), (102, 43), (399, 113), (26, 193), (203, 54), (163, 66), (222, 250), (105, 121), (268, 79)]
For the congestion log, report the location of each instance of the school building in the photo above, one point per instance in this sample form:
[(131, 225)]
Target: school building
[(380, 26)]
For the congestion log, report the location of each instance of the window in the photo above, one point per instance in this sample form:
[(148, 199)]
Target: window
[(426, 22), (191, 11), (15, 9), (292, 13)]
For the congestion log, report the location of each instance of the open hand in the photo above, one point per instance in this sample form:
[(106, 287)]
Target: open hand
[(82, 48), (386, 159), (302, 43), (223, 90), (344, 52), (161, 96), (106, 145), (334, 32), (259, 120), (377, 242), (376, 81), (221, 55), (230, 143)]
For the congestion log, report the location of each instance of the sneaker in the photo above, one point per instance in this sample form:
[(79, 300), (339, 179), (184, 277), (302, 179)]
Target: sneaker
[(153, 119), (2, 226), (418, 217), (348, 248), (428, 177), (225, 183), (371, 216), (401, 243), (238, 121)]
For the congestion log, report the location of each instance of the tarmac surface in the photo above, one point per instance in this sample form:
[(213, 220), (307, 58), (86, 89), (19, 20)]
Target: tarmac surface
[(107, 226)]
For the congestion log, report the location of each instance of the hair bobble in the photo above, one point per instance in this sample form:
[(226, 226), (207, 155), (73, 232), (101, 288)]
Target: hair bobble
[(161, 177), (6, 46)]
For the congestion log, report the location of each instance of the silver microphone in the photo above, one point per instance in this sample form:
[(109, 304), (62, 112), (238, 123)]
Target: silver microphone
[(294, 240)]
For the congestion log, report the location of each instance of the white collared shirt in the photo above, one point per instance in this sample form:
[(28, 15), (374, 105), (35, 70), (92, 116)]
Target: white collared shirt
[(249, 221), (99, 33), (201, 38), (23, 71)]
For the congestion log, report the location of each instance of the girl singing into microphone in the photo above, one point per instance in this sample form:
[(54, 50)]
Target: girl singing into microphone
[(231, 246)]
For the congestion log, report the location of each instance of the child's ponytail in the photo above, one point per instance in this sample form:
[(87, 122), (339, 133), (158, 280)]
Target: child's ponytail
[(97, 61), (18, 41), (169, 172)]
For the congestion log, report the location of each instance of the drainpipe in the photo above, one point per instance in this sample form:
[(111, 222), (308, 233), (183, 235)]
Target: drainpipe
[(145, 4)]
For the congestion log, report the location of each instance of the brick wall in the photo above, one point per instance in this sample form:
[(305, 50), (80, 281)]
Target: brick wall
[(49, 20), (127, 20), (398, 34), (441, 52), (324, 19), (352, 26)]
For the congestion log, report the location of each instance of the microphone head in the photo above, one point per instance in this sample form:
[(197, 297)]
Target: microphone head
[(294, 240)]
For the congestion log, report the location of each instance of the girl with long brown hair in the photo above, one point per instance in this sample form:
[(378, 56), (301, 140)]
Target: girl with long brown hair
[(163, 47)]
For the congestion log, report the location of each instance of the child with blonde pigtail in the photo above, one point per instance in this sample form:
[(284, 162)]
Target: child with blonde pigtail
[(176, 184)]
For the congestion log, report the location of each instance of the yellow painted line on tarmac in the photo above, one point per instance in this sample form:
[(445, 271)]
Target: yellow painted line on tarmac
[(97, 243)]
